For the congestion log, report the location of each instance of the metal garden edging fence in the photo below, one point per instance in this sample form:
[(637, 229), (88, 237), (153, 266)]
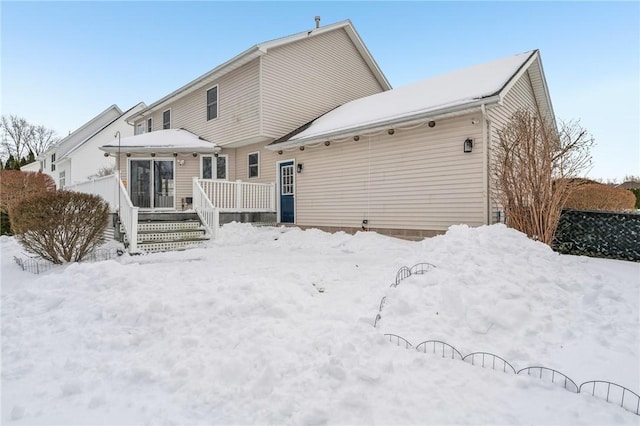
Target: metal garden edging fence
[(37, 265), (445, 350)]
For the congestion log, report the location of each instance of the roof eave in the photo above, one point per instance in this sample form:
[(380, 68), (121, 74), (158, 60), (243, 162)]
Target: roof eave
[(435, 114)]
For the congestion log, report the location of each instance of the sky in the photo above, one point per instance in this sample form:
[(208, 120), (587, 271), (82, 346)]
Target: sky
[(62, 63)]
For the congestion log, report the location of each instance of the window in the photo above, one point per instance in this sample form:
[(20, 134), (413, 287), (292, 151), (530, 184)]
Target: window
[(214, 166), (166, 119), (61, 180), (212, 103), (139, 128), (149, 125), (254, 165), (53, 159)]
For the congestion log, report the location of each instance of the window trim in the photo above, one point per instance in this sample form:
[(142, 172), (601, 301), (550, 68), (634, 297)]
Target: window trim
[(214, 166), (149, 124), (217, 87), (257, 165), (53, 162), (139, 130), (169, 111)]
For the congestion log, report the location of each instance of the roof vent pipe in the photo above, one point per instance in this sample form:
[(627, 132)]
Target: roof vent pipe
[(317, 18)]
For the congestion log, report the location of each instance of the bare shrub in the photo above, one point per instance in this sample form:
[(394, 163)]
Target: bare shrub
[(598, 196), (16, 186), (532, 166), (60, 226)]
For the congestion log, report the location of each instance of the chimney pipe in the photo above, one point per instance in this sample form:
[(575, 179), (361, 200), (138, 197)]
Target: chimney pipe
[(317, 18)]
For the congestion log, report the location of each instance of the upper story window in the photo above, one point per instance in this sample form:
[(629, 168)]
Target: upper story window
[(254, 165), (166, 119), (53, 159), (212, 103), (139, 128), (149, 124)]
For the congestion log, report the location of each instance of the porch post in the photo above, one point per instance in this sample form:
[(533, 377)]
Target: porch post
[(239, 205)]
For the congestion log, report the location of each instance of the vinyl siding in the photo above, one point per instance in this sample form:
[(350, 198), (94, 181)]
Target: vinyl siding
[(520, 96), (305, 79), (267, 168), (238, 108), (417, 179)]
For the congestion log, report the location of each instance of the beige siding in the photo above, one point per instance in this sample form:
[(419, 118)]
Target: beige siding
[(305, 79), (415, 179), (238, 108), (520, 96), (267, 169)]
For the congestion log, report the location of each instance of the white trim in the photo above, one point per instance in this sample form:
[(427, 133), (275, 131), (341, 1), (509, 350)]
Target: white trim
[(206, 93), (214, 166), (149, 121), (139, 129), (295, 190), (152, 189), (170, 118), (248, 165)]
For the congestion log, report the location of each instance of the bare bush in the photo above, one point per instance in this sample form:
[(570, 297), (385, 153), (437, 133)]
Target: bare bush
[(532, 167), (598, 196), (61, 226)]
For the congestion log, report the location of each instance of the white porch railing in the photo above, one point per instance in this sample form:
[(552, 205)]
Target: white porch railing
[(208, 214), (238, 196), (128, 217), (113, 191)]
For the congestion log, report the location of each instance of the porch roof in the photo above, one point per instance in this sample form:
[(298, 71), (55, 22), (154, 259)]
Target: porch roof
[(168, 140)]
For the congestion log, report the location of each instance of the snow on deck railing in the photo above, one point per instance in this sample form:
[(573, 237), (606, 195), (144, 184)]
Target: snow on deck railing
[(238, 196), (106, 187), (208, 214), (611, 392)]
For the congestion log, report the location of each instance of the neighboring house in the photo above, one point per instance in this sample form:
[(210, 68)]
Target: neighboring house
[(77, 157), (240, 107), (408, 162)]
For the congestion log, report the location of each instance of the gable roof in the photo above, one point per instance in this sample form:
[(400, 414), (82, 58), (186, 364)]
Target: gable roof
[(448, 93), (62, 154), (168, 140), (261, 49)]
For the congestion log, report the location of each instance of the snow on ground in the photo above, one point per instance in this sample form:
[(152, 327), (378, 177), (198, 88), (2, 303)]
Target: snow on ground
[(274, 325)]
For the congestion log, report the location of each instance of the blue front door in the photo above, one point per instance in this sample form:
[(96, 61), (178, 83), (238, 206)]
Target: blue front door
[(287, 188)]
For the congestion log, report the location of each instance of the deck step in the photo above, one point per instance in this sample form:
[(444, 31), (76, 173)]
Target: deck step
[(159, 246)]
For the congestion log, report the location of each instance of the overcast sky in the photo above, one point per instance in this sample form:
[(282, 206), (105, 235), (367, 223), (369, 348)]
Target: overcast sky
[(65, 62)]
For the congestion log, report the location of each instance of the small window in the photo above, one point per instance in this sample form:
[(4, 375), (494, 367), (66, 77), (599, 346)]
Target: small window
[(212, 103), (53, 159), (139, 128), (166, 119), (254, 165), (149, 125)]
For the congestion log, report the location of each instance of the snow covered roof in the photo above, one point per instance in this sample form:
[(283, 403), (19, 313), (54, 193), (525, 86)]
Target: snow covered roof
[(449, 92), (261, 49), (169, 140)]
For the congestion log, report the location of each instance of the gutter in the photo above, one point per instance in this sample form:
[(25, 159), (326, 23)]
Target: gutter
[(372, 127)]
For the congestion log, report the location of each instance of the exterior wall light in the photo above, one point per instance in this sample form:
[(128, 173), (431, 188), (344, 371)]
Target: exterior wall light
[(216, 155), (356, 138), (153, 154), (327, 143), (432, 124), (468, 145), (106, 154), (128, 154), (280, 152), (300, 167), (195, 154), (175, 154), (302, 148), (391, 131)]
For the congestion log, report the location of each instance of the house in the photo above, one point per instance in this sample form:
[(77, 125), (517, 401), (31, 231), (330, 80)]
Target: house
[(77, 157), (239, 107), (307, 129), (408, 162)]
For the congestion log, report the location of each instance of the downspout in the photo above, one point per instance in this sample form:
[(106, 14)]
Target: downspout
[(486, 131)]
